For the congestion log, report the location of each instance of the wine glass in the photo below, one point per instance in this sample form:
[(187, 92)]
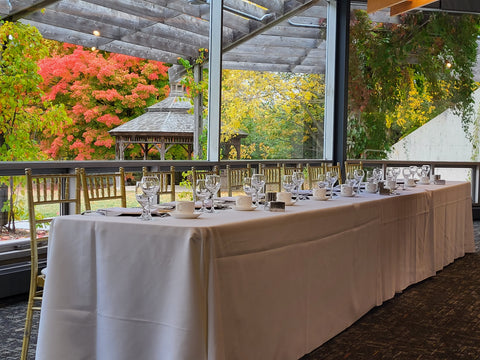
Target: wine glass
[(358, 174), (350, 179), (287, 183), (378, 174), (247, 185), (406, 175), (425, 170), (331, 177), (258, 181), (298, 179), (201, 192), (212, 182), (142, 199), (150, 185)]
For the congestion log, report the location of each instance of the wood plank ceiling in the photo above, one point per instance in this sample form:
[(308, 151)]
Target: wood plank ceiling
[(270, 35), (273, 35)]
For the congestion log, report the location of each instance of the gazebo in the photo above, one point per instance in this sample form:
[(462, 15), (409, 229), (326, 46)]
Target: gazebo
[(165, 124)]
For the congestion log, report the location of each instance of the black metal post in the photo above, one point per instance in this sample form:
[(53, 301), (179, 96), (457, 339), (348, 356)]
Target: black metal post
[(341, 83)]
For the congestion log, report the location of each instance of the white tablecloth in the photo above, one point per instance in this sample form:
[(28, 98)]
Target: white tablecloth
[(241, 285)]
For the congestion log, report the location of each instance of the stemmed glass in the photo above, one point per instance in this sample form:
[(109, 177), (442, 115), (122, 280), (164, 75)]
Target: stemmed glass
[(212, 182), (406, 175), (287, 183), (358, 175), (247, 185), (150, 185), (258, 181), (201, 192), (378, 174), (331, 178), (142, 199), (298, 179)]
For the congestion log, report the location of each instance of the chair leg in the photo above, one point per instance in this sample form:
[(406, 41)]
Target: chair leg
[(28, 328)]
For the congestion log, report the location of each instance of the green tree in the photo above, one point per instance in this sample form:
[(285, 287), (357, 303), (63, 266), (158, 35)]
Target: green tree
[(402, 75), (24, 116)]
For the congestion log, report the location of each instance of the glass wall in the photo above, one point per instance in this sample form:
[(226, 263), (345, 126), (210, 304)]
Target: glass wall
[(273, 89)]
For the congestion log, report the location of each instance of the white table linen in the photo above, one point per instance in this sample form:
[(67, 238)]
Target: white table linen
[(241, 285)]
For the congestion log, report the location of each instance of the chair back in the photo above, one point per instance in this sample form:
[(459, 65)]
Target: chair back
[(273, 177), (337, 168), (167, 181), (43, 191), (314, 174), (103, 186), (349, 167), (235, 177)]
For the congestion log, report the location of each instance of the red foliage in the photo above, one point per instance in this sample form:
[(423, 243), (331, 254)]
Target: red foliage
[(100, 91)]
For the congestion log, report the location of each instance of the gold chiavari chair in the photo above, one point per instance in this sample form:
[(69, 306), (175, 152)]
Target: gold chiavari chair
[(235, 177), (350, 167), (42, 191), (337, 168), (273, 177), (167, 181), (202, 174), (315, 173), (98, 187)]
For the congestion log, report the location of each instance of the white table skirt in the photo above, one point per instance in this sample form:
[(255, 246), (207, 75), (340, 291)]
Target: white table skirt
[(241, 285)]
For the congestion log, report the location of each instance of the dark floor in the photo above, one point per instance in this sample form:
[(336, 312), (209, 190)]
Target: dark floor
[(437, 319)]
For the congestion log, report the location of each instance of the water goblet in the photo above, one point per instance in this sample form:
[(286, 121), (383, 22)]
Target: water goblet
[(358, 175), (258, 182), (150, 185), (406, 175), (247, 185), (425, 170), (378, 174), (212, 182), (142, 199), (201, 192), (287, 183), (298, 179), (331, 177), (350, 179)]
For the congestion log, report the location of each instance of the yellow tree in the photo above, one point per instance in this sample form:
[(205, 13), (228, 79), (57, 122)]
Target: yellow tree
[(282, 112)]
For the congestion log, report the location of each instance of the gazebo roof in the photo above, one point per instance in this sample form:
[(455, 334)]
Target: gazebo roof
[(168, 117)]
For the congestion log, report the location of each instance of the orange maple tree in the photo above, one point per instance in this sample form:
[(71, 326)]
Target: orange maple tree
[(100, 91)]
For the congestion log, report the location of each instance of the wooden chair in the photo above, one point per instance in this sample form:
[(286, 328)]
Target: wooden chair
[(235, 177), (337, 168), (202, 174), (103, 186), (167, 181), (349, 167), (45, 190), (314, 174), (273, 177)]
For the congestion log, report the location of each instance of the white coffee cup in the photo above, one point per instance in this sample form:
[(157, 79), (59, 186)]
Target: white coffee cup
[(320, 193), (410, 182), (284, 196), (346, 190), (391, 184), (371, 187), (425, 180), (185, 207), (243, 201)]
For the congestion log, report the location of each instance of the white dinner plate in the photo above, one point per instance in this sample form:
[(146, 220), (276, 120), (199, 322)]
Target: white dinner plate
[(241, 208), (179, 215)]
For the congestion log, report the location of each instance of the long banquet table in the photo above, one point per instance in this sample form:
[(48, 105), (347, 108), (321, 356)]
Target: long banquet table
[(241, 284)]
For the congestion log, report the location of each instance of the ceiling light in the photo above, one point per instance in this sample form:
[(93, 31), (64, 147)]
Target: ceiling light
[(96, 32)]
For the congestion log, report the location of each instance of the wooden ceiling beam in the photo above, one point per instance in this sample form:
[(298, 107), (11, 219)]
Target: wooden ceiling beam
[(408, 5), (375, 5)]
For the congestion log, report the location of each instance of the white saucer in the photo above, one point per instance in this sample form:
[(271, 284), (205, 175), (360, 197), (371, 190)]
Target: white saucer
[(321, 198), (343, 195), (291, 203), (180, 215), (241, 208), (424, 183)]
